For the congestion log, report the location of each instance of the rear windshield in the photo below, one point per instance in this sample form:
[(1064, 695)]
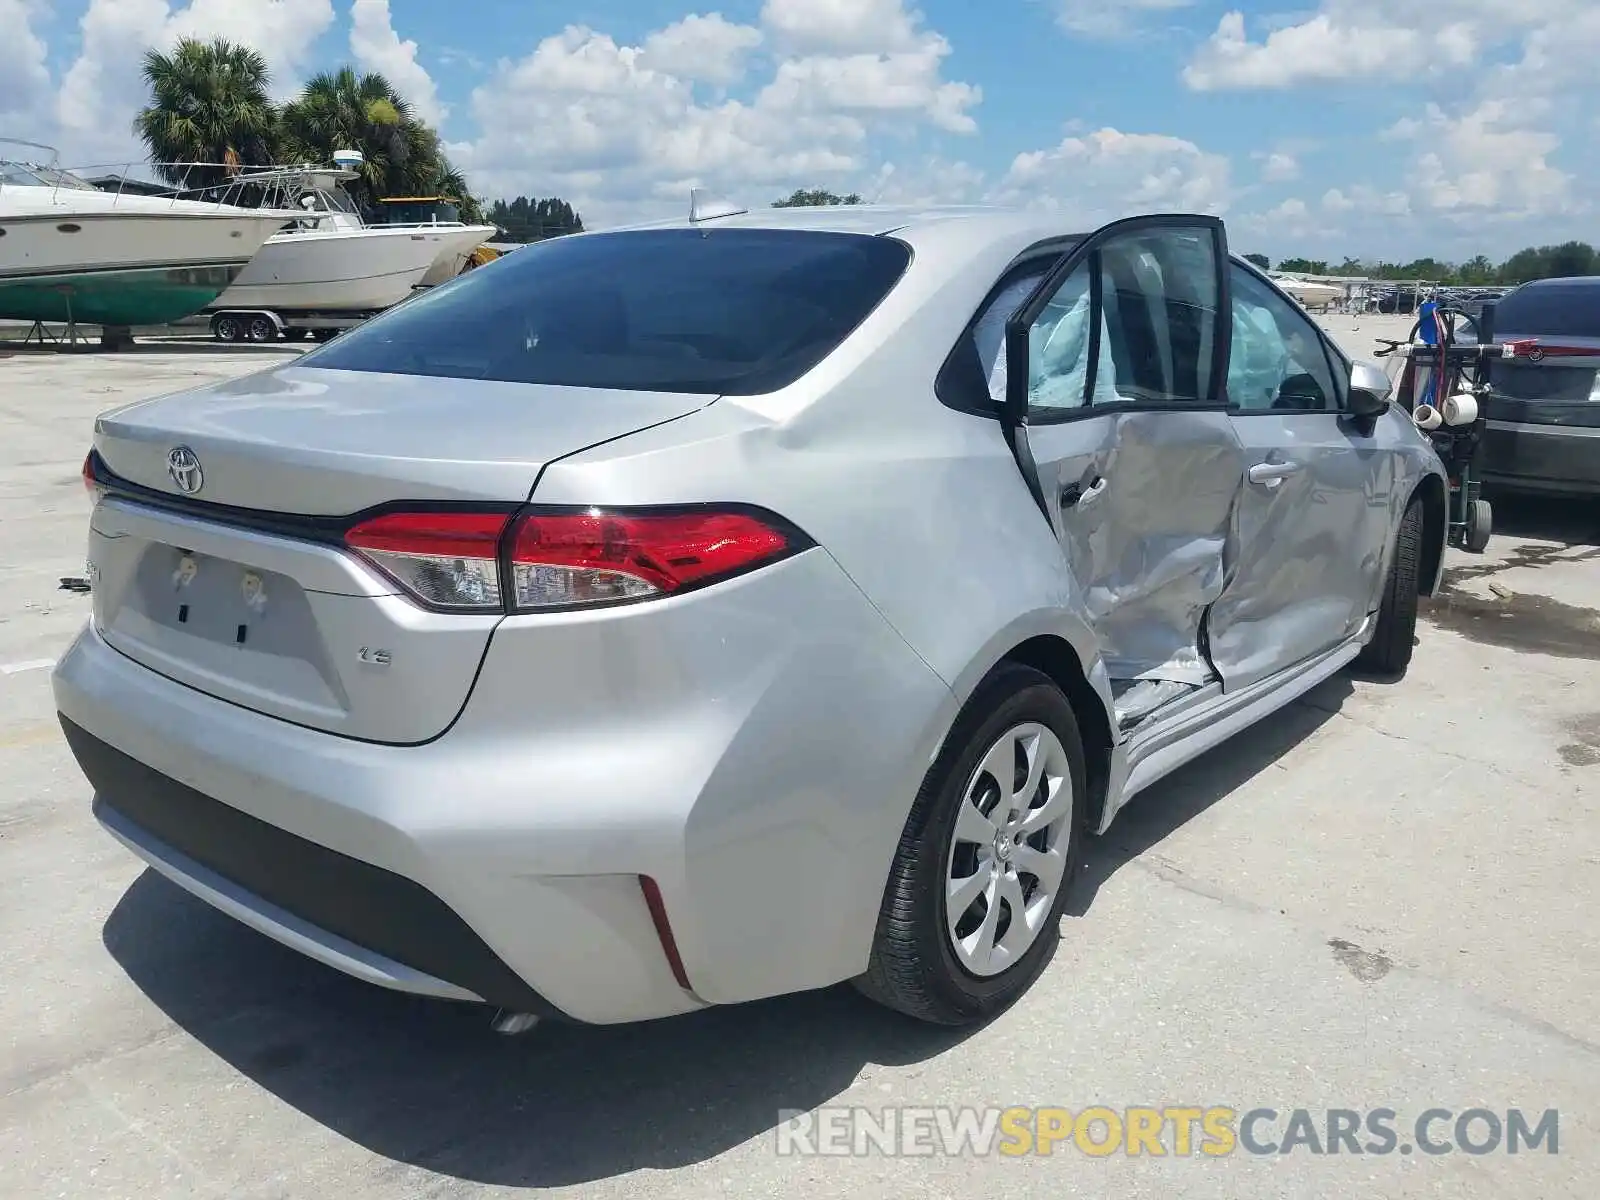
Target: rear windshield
[(1550, 310), (712, 311)]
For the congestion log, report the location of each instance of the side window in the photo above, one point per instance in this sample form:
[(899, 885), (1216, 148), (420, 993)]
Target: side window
[(1135, 324), (1279, 362), (1062, 341)]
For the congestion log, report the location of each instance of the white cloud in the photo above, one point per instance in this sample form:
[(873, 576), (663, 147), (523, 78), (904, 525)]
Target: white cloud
[(376, 47), (1278, 167), (1330, 47), (705, 48), (907, 83), (102, 89), (626, 130), (1108, 174), (24, 78), (1110, 18), (842, 26), (1485, 162)]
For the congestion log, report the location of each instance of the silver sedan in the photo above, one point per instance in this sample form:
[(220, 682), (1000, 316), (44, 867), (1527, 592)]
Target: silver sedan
[(709, 610)]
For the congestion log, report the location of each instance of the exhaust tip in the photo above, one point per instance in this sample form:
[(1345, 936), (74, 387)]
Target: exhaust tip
[(512, 1023)]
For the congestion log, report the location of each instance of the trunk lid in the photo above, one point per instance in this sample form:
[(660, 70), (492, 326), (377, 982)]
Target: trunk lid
[(239, 588), (301, 440)]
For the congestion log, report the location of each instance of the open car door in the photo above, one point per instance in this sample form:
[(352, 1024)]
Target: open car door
[(1116, 405)]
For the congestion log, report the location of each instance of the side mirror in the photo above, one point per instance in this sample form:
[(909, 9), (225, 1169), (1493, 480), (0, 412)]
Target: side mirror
[(1370, 390)]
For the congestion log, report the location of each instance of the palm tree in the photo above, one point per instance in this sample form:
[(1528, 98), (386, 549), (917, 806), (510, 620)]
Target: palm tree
[(208, 105), (341, 110)]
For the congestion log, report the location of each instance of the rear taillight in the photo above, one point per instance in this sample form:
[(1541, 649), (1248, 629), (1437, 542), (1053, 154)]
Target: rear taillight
[(565, 559), (446, 560), (559, 560), (89, 483)]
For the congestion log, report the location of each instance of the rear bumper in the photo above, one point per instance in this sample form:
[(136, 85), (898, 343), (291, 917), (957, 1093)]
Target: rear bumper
[(753, 749), (1528, 456), (356, 917)]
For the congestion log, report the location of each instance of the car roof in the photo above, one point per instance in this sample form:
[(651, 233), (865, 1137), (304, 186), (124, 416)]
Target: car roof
[(980, 222), (1563, 281)]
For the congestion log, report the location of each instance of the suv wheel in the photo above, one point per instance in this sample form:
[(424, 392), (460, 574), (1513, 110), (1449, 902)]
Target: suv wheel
[(975, 894)]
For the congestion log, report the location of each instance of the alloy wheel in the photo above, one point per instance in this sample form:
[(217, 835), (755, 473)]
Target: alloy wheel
[(1008, 857)]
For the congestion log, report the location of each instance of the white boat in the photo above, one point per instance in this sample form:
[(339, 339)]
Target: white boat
[(1311, 294), (440, 212), (329, 260), (72, 253)]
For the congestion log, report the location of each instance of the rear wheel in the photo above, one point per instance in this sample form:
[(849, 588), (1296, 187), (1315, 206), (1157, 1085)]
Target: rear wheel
[(1389, 651), (975, 894), (261, 329), (1480, 523)]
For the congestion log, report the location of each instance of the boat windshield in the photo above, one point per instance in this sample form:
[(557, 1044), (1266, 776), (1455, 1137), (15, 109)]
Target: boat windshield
[(328, 200), (26, 175), (419, 212)]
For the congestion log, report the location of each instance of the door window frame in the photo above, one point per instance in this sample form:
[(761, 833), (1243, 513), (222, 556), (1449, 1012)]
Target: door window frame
[(961, 383), (1338, 364), (1087, 251)]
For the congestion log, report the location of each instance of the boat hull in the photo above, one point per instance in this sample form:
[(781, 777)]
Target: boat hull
[(341, 270), (122, 267), (127, 296), (453, 260)]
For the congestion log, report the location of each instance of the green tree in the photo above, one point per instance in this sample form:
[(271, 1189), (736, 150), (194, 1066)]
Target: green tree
[(1260, 260), (529, 220), (208, 104), (1550, 262), (1303, 266), (1476, 271), (340, 110), (815, 198)]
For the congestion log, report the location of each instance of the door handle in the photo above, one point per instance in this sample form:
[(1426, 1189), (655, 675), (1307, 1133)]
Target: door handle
[(1075, 495), (1272, 474)]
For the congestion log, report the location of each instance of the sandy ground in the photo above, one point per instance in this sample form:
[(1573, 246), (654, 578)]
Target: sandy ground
[(1383, 896)]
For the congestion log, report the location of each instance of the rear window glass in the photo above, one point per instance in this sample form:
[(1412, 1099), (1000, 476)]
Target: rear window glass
[(1550, 310), (711, 311)]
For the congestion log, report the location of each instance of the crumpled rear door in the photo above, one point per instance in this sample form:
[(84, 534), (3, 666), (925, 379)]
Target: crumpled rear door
[(1136, 462)]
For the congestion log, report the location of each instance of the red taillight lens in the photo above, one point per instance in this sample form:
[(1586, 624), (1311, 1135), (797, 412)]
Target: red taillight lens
[(559, 560), (444, 559), (89, 485)]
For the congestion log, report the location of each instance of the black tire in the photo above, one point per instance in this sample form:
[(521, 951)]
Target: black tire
[(261, 329), (1389, 651), (227, 329), (1480, 524), (913, 968)]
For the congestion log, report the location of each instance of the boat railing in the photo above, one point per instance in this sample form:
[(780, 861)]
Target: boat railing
[(221, 184)]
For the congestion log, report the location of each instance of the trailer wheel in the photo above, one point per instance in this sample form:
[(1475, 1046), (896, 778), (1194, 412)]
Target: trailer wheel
[(261, 329), (227, 329), (1480, 523)]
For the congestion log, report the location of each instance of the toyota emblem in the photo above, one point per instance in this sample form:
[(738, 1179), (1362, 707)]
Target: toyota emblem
[(184, 467)]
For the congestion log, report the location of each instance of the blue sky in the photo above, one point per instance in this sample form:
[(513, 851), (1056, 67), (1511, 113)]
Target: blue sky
[(1321, 127)]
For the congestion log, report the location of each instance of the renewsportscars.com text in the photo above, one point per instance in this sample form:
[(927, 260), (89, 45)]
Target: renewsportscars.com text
[(1178, 1131)]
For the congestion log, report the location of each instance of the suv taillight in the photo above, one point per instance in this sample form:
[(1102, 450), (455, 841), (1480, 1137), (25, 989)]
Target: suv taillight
[(562, 559)]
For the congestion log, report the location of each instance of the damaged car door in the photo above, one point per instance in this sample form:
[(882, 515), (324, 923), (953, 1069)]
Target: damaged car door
[(1315, 511), (1115, 370)]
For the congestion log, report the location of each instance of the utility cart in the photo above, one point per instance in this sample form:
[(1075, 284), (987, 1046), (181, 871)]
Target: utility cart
[(1444, 384)]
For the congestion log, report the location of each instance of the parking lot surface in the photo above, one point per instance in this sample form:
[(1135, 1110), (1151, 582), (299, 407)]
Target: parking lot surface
[(1383, 897)]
